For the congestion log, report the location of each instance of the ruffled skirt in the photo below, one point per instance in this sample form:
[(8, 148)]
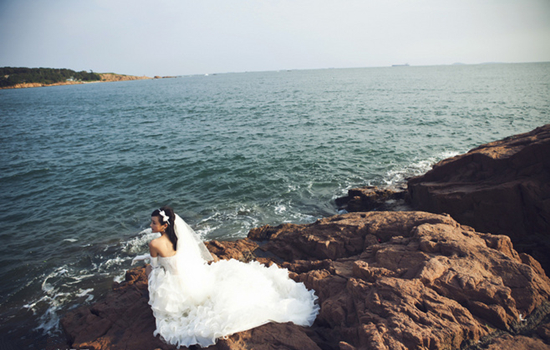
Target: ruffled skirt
[(223, 298)]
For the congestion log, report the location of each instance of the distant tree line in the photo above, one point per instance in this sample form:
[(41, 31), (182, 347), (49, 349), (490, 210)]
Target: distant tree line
[(10, 76)]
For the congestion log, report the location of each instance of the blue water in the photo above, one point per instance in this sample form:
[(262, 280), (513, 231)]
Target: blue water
[(83, 166)]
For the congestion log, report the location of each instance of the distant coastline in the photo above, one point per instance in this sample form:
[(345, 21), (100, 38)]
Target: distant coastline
[(105, 78), (35, 77)]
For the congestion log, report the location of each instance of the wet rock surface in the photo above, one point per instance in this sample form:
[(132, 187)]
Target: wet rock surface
[(372, 198)]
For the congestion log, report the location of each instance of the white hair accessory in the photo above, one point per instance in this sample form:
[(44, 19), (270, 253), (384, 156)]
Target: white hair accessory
[(165, 218)]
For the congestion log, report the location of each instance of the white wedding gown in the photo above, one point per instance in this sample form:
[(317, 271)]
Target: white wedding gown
[(196, 303)]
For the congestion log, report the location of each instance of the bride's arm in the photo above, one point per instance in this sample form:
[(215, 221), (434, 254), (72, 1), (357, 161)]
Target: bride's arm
[(153, 251), (153, 248)]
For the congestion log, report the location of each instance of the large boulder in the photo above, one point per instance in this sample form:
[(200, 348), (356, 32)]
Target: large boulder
[(372, 198), (410, 280), (502, 187), (385, 280)]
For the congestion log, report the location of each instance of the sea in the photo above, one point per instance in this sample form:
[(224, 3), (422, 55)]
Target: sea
[(83, 166)]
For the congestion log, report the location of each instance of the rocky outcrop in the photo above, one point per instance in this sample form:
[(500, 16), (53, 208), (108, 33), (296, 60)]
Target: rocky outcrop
[(372, 198), (33, 85), (385, 280), (502, 187), (120, 321), (120, 77), (105, 77)]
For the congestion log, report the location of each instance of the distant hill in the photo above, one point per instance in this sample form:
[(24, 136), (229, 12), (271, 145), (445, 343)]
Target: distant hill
[(12, 77)]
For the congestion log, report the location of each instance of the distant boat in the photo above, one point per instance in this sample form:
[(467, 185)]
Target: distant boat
[(400, 65)]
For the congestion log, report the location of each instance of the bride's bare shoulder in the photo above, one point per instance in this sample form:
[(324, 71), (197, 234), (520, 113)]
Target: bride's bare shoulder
[(155, 245), (154, 241), (161, 246)]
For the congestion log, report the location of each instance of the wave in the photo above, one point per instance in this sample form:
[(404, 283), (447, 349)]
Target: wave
[(417, 167), (70, 285)]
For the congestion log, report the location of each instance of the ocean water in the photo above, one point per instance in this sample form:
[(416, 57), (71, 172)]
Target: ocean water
[(83, 166)]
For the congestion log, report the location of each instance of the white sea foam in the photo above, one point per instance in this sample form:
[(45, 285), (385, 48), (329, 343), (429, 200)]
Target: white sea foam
[(137, 244), (79, 278), (33, 304), (205, 230), (120, 277), (234, 222), (415, 168), (115, 261), (300, 218), (279, 209), (47, 287), (69, 284), (63, 285), (83, 292)]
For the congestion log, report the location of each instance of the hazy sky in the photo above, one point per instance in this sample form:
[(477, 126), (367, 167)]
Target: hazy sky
[(176, 37)]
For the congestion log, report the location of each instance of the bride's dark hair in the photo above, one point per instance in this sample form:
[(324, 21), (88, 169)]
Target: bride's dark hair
[(171, 220)]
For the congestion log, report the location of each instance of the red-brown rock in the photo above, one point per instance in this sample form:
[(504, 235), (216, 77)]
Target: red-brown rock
[(502, 187), (385, 280), (420, 281), (509, 342)]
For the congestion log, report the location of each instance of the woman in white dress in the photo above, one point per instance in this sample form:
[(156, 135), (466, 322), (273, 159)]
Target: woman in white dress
[(195, 302)]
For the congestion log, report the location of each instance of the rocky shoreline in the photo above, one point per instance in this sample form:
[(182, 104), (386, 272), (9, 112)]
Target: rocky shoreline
[(450, 278), (105, 78), (502, 187)]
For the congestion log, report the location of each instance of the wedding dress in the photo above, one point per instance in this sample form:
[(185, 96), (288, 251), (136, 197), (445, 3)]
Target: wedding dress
[(196, 303)]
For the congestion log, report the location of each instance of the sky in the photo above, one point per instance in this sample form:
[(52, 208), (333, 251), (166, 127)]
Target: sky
[(180, 37)]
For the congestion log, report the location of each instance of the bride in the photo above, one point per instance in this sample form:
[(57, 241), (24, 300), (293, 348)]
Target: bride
[(195, 302)]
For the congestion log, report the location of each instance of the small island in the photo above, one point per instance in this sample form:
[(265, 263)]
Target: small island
[(15, 78)]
